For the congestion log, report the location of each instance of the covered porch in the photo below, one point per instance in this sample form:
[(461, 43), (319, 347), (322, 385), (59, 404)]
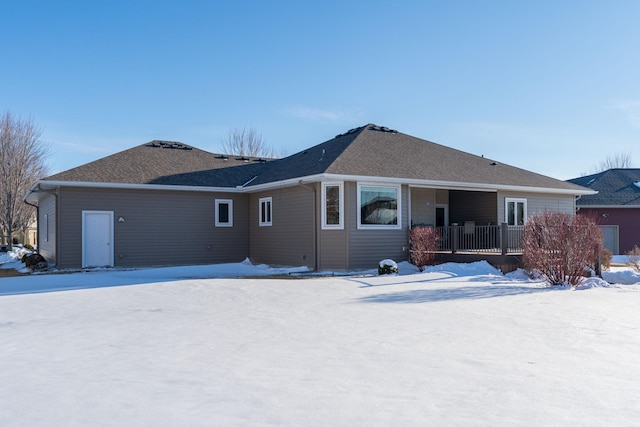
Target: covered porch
[(470, 224)]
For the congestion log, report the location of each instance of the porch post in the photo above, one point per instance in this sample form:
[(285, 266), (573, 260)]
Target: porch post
[(505, 238), (454, 238)]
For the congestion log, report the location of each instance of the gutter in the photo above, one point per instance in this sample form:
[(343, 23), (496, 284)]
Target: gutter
[(247, 188), (55, 192)]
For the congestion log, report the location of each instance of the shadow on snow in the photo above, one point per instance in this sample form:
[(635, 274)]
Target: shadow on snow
[(494, 288)]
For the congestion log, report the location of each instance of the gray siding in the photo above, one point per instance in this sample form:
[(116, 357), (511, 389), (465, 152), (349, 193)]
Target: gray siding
[(334, 244), (291, 239), (442, 197), (368, 247), (159, 227), (537, 202), (47, 228), (423, 206)]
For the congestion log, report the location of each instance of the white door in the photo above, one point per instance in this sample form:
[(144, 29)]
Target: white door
[(97, 238), (610, 233)]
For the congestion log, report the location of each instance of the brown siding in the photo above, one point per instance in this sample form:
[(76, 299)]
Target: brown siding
[(47, 228), (159, 228), (290, 240), (368, 247)]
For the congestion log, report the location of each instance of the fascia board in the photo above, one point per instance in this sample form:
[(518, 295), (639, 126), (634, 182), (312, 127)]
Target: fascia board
[(608, 206), (467, 186), (446, 185), (46, 184)]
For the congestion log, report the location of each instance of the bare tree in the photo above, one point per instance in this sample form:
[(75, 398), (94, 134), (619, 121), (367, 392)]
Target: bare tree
[(22, 163), (248, 142), (613, 161)]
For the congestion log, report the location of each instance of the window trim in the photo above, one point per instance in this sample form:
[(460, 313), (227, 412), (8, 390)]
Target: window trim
[(228, 202), (340, 225), (515, 200), (398, 189), (268, 222)]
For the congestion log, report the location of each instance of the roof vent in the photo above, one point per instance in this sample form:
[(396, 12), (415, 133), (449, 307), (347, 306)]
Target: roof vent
[(349, 132), (222, 157), (168, 144), (382, 129), (243, 159), (261, 160)]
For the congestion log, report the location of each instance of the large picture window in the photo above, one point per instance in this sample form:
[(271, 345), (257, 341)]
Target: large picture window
[(332, 206), (379, 206), (224, 213), (265, 211), (516, 211)]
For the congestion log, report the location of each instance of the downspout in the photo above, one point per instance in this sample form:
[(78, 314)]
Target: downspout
[(37, 220), (316, 223), (55, 193)]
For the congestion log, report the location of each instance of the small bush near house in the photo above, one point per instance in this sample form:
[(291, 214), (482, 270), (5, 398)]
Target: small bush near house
[(605, 258), (423, 242), (560, 246), (34, 261), (634, 258), (387, 266)]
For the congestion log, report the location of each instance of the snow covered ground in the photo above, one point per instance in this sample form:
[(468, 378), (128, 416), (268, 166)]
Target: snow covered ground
[(455, 345)]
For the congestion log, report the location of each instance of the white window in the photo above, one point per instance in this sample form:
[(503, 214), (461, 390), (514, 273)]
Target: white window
[(379, 207), (332, 206), (516, 211), (224, 213), (264, 216)]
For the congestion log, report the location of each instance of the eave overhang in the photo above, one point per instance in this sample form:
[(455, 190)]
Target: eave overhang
[(608, 206), (45, 185)]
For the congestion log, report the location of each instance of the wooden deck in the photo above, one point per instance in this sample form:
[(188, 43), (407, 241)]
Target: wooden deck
[(497, 244), (504, 263)]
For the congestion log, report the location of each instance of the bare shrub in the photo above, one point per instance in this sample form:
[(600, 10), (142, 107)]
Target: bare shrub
[(634, 258), (560, 246), (424, 244), (605, 258)]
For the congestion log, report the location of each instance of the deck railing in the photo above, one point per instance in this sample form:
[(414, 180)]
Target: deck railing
[(499, 239)]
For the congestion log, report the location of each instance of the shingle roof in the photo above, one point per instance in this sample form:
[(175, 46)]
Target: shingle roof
[(616, 187), (366, 151), (156, 162), (377, 151)]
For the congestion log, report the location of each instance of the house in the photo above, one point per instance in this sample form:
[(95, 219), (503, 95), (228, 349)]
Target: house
[(27, 236), (343, 204), (615, 207)]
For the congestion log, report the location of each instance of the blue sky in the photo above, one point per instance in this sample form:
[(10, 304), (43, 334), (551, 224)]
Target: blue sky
[(549, 86)]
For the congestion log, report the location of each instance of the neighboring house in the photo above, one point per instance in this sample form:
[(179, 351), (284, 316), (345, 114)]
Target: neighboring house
[(616, 206), (344, 204), (28, 236)]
